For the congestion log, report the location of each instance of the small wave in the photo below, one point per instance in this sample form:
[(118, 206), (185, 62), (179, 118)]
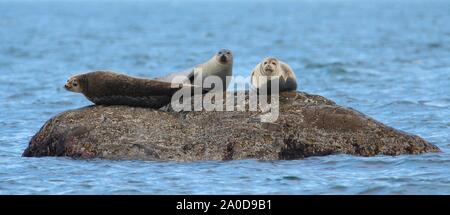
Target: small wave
[(381, 162), (16, 52), (435, 45), (279, 41), (393, 179), (7, 65), (135, 28), (337, 70), (339, 188), (372, 190), (355, 71), (399, 102), (209, 35), (127, 191), (407, 61), (323, 65), (422, 103), (19, 95), (138, 56), (60, 103), (291, 178), (439, 103), (346, 71), (244, 177)]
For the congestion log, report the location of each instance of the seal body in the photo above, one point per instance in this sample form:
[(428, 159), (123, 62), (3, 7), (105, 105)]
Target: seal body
[(220, 65), (273, 69), (111, 88)]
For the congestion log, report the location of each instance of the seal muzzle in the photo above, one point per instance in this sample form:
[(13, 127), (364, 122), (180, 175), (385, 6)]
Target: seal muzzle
[(223, 59)]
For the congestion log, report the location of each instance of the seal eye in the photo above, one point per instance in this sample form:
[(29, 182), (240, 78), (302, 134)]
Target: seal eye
[(265, 63), (220, 53), (274, 63), (228, 52), (74, 83)]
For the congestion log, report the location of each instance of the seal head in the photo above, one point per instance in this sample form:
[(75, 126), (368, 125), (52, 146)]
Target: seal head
[(75, 84), (270, 66), (224, 56)]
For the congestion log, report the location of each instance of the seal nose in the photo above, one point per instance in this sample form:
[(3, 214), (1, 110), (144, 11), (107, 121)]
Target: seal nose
[(223, 58), (268, 68)]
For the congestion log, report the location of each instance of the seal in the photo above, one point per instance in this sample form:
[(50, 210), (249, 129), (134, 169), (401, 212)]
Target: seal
[(274, 68), (220, 65), (111, 88)]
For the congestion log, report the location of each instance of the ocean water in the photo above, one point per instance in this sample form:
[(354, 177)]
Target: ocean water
[(388, 59)]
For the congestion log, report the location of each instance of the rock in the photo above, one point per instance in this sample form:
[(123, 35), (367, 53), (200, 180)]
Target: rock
[(308, 125)]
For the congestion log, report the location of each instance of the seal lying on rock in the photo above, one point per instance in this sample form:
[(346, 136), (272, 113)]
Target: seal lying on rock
[(110, 88), (220, 65), (272, 69)]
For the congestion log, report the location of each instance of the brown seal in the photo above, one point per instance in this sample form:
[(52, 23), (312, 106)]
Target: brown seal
[(111, 88)]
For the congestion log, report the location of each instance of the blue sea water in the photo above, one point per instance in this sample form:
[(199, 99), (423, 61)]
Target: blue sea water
[(388, 59)]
